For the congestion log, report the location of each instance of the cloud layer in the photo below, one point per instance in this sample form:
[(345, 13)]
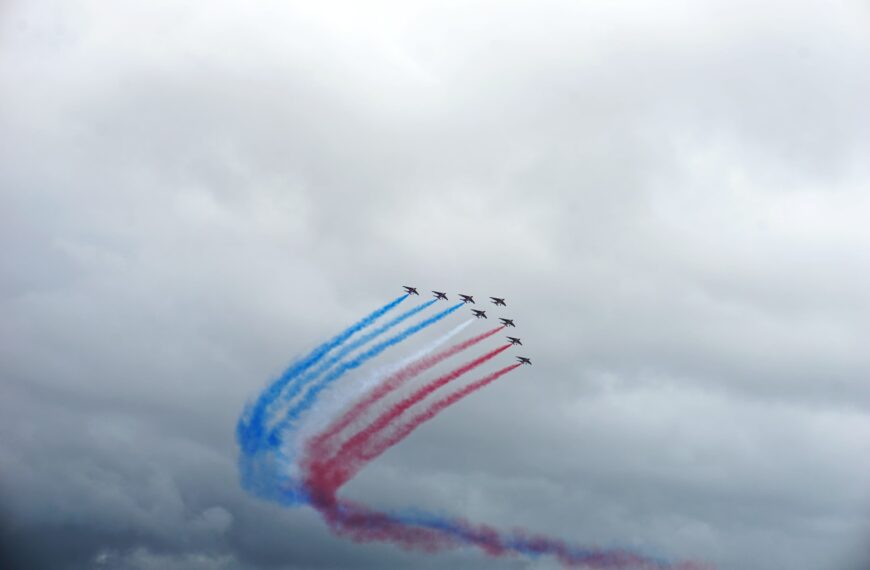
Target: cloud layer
[(672, 197)]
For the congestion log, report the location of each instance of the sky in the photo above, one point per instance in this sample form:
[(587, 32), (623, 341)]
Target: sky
[(673, 197)]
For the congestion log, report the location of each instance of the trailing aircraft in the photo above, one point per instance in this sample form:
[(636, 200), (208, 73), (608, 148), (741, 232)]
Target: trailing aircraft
[(507, 322), (410, 290), (498, 301), (524, 360), (479, 314), (515, 340), (466, 298), (440, 295)]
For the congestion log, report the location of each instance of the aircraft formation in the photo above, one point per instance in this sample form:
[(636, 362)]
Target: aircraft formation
[(478, 313), (298, 450)]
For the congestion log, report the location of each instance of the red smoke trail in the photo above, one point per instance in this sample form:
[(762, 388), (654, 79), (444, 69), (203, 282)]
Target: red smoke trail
[(323, 444), (433, 410), (362, 524), (326, 476)]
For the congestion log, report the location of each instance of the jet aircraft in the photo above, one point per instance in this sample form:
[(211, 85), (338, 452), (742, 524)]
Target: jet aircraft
[(498, 301), (410, 290), (515, 340), (466, 298), (524, 360), (440, 295), (508, 322), (479, 314)]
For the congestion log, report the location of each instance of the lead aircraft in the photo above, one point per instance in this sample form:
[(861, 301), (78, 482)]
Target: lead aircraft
[(410, 290)]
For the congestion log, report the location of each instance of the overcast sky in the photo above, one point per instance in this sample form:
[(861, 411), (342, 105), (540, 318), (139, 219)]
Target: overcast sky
[(673, 196)]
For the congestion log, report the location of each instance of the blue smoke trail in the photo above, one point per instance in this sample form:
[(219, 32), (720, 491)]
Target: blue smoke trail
[(310, 397), (297, 386), (250, 429)]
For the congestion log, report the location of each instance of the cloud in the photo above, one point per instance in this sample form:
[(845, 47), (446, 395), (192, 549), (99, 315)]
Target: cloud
[(672, 197)]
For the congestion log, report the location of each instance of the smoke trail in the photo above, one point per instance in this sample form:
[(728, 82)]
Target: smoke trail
[(258, 470), (423, 531), (328, 406), (322, 444), (250, 427), (311, 395), (433, 410), (329, 475), (297, 386)]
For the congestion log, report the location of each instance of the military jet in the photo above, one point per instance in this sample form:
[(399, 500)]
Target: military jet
[(479, 314), (515, 340), (440, 295), (410, 290), (498, 301), (508, 322), (466, 298), (524, 360)]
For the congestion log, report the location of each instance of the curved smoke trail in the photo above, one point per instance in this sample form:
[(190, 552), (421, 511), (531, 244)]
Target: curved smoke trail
[(329, 405), (376, 448), (415, 530), (249, 428), (324, 443), (310, 397), (331, 474), (297, 386), (255, 466)]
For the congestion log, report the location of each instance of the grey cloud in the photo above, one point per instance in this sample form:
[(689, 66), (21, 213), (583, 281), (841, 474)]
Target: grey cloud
[(671, 197)]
